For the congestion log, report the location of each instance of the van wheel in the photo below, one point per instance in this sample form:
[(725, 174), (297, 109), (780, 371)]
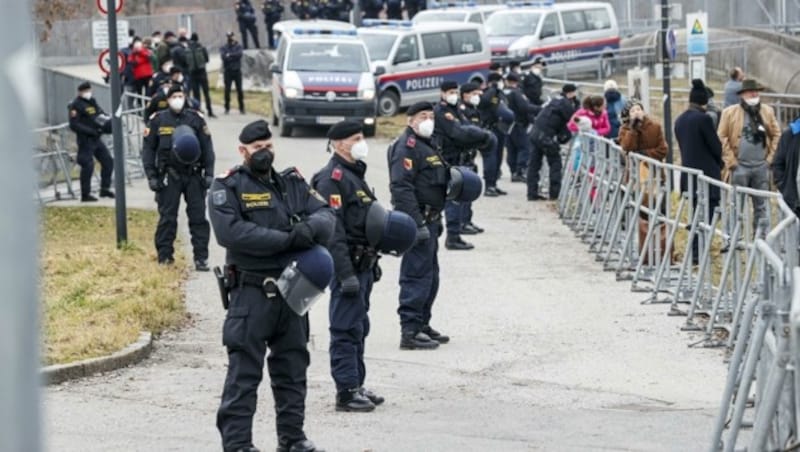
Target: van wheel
[(606, 66), (284, 130), (388, 103), (369, 131)]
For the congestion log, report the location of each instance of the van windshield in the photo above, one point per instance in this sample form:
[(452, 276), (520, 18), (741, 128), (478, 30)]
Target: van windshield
[(439, 16), (378, 45), (516, 23), (327, 57)]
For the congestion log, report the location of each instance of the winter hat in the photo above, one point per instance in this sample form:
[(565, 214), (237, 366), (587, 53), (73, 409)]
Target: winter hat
[(609, 85), (584, 123), (699, 94)]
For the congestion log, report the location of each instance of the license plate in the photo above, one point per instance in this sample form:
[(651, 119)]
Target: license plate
[(329, 119)]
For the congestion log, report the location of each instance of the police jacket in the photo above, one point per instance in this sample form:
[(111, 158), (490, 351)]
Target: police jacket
[(490, 101), (231, 57), (342, 183), (252, 216), (83, 120), (418, 176), (470, 113), (524, 110), (453, 132), (304, 9), (155, 82), (157, 146), (245, 13), (157, 103), (554, 118), (272, 11), (532, 87)]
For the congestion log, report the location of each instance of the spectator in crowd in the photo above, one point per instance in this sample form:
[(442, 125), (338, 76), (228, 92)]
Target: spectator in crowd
[(615, 102), (141, 67), (246, 17), (164, 49), (712, 109), (594, 109), (148, 44), (196, 61), (784, 165), (732, 87)]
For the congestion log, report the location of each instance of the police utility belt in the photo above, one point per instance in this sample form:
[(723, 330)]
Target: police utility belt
[(430, 214), (229, 278), (363, 257)]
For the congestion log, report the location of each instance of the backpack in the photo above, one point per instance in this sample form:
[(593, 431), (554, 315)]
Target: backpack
[(196, 58)]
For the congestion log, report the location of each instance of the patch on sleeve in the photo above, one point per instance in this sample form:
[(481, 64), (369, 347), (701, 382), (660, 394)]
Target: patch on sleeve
[(316, 195), (411, 141), (408, 164), (336, 174), (449, 116), (219, 197), (73, 113), (335, 201)]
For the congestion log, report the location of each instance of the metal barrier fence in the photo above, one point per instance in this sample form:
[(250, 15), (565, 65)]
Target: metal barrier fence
[(720, 255)]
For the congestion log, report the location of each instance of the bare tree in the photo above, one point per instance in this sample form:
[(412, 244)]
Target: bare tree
[(49, 11)]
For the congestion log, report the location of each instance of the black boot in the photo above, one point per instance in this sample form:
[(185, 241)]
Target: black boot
[(491, 192), (201, 265), (374, 398), (470, 229), (246, 449), (88, 198), (106, 193), (435, 335), (353, 401), (300, 446), (457, 244), (417, 341)]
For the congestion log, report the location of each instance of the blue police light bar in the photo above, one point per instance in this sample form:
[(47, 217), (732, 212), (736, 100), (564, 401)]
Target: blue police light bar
[(309, 31), (518, 4), (386, 23), (463, 4)]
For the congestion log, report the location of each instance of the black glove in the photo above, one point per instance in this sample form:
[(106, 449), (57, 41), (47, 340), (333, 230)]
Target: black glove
[(423, 234), (155, 184), (350, 286), (207, 181), (322, 229), (301, 237)]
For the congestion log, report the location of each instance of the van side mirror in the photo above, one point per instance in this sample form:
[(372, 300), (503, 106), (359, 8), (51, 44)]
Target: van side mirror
[(275, 69), (379, 70)]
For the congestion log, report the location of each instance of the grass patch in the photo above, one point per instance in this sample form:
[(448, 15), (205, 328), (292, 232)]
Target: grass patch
[(97, 298)]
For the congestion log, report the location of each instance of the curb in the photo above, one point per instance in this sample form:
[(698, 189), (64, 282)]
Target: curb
[(131, 354)]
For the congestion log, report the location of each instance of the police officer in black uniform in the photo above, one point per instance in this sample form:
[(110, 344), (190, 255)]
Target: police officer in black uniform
[(273, 9), (459, 141), (158, 101), (492, 109), (259, 215), (549, 132), (89, 122), (171, 176), (231, 54), (371, 8), (532, 83), (519, 146), (342, 183), (418, 183), (470, 99), (246, 16), (304, 9)]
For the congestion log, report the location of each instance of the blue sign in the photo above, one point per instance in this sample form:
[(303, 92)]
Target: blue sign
[(697, 33), (672, 44)]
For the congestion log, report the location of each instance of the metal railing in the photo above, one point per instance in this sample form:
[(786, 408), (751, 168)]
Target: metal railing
[(695, 244)]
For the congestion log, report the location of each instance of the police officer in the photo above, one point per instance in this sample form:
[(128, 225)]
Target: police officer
[(304, 9), (532, 82), (371, 8), (342, 183), (273, 10), (549, 132), (497, 118), (89, 122), (259, 216), (519, 146), (414, 6), (394, 9), (172, 174), (231, 54), (246, 17), (458, 141), (418, 183), (470, 99), (158, 101)]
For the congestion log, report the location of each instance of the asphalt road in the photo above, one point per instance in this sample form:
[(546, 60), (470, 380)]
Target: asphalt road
[(547, 353)]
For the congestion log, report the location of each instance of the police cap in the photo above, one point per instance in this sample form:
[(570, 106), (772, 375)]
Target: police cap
[(255, 131), (344, 129), (513, 64), (512, 77), (540, 60), (469, 87), (569, 88), (495, 77), (447, 85), (418, 107), (494, 66), (175, 88), (84, 86)]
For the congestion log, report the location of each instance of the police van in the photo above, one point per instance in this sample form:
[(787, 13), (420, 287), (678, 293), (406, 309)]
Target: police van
[(558, 32), (457, 12), (321, 76), (413, 60)]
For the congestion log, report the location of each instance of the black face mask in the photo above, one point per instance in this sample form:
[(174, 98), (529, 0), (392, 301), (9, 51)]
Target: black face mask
[(261, 161)]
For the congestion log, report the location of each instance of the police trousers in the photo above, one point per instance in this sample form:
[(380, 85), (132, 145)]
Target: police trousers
[(252, 324), (230, 78), (419, 281), (491, 164), (349, 328), (193, 190), (88, 150), (244, 27), (518, 149), (501, 144), (552, 152)]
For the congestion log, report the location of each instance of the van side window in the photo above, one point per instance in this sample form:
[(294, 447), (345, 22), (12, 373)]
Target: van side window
[(281, 53), (574, 22), (436, 45), (407, 50), (466, 41), (551, 26), (476, 18), (597, 19)]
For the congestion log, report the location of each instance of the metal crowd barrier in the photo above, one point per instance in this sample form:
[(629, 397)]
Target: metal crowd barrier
[(55, 152), (640, 217)]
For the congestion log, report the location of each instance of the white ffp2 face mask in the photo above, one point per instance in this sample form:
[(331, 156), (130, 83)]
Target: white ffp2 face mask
[(752, 101), (475, 100), (451, 99), (425, 128), (177, 104), (86, 95), (360, 150)]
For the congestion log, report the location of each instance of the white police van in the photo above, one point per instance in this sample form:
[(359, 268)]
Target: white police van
[(456, 12), (558, 32), (411, 61), (321, 76)]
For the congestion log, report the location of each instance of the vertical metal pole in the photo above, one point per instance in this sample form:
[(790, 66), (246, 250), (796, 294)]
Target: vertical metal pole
[(19, 329), (116, 127), (667, 66)]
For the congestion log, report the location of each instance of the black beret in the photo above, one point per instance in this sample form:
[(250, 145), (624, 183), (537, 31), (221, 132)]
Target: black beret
[(512, 77), (175, 70), (494, 66), (418, 107), (540, 60), (84, 86), (344, 129), (175, 88), (495, 77), (255, 131), (514, 64), (447, 85), (569, 88), (469, 87)]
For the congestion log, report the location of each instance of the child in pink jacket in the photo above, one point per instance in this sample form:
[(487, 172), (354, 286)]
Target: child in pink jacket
[(594, 109)]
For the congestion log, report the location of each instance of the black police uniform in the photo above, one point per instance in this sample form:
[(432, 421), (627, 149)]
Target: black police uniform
[(342, 183), (273, 9), (414, 6), (519, 147), (159, 79), (418, 183), (246, 16), (532, 87), (83, 116), (458, 144), (172, 179), (371, 8), (394, 9), (488, 155), (253, 219), (157, 103), (549, 131), (231, 54), (491, 100), (304, 9)]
